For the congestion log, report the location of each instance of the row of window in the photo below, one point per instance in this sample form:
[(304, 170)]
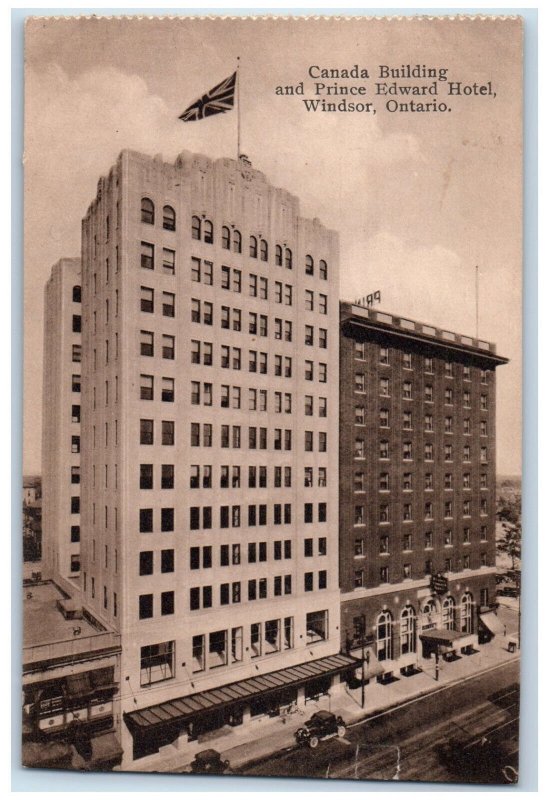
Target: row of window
[(450, 367), (407, 393), (428, 421), (229, 476), (201, 557), (390, 575), (360, 512), (407, 481), (148, 214), (408, 541), (258, 324), (200, 517), (360, 451)]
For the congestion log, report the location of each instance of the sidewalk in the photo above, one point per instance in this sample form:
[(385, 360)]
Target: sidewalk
[(264, 736)]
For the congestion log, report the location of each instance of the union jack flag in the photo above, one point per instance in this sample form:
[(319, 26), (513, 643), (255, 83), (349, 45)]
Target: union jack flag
[(217, 101)]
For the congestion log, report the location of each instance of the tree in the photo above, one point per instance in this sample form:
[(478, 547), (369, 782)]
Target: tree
[(509, 513)]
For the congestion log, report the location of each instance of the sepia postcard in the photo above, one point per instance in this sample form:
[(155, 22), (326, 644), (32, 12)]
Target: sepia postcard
[(272, 411)]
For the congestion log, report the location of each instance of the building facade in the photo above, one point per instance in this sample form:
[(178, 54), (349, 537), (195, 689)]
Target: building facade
[(61, 422), (210, 366), (417, 489)]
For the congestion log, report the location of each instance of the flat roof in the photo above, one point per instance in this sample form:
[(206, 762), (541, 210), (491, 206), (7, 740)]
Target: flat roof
[(43, 622), (397, 325)]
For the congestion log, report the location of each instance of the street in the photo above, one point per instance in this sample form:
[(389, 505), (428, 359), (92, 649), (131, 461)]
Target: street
[(407, 743)]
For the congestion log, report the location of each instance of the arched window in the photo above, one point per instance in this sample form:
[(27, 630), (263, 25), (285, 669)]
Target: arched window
[(449, 614), (309, 265), (407, 631), (225, 238), (384, 636), (264, 250), (253, 247), (208, 231), (147, 210), (168, 218), (467, 613), (196, 228), (237, 242), (288, 258), (429, 615), (278, 255), (323, 270)]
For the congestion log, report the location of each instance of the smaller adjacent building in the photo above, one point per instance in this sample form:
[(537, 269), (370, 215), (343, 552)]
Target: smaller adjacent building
[(71, 674), (417, 490)]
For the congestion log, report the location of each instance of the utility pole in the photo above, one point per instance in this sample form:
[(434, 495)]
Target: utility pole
[(363, 677)]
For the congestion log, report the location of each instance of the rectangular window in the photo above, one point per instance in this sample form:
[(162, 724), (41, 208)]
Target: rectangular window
[(168, 432), (147, 255), (147, 343), (145, 606), (157, 662), (147, 299)]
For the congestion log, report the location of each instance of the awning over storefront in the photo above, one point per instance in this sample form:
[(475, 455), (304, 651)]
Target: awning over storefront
[(491, 622), (46, 754), (447, 638), (189, 707)]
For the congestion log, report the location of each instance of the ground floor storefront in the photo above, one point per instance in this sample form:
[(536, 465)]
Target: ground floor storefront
[(393, 631), (161, 728)]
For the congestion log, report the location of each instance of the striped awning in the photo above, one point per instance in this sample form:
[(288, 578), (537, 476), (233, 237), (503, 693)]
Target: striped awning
[(183, 708)]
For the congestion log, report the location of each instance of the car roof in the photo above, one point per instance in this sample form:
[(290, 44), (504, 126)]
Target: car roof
[(324, 715), (206, 755)]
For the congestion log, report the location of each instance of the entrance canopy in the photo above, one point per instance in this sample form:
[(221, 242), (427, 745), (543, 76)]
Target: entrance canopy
[(186, 708), (444, 637), (490, 621)]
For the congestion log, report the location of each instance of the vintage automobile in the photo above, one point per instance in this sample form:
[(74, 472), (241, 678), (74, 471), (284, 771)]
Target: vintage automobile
[(209, 762), (322, 725)]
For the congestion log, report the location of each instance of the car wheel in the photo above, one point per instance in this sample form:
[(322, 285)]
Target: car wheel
[(341, 730), (313, 742)]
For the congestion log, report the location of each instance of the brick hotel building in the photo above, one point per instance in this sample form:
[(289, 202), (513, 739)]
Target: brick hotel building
[(417, 489), (210, 321)]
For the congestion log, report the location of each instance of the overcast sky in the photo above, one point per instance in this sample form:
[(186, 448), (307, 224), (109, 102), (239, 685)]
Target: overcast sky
[(418, 199)]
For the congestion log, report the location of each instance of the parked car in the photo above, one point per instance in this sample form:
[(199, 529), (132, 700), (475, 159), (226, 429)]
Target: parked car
[(209, 762), (508, 591), (322, 725)]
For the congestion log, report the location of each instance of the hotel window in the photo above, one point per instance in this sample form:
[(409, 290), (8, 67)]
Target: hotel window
[(467, 399), (466, 426), (322, 476), (483, 506), (484, 454), (384, 574), (168, 432), (428, 481), (407, 451), (448, 508), (309, 265), (448, 452), (168, 390), (428, 567), (309, 370), (483, 533), (407, 512), (383, 355), (466, 561), (308, 585), (448, 537), (75, 474), (360, 383), (322, 512), (322, 372), (322, 442), (309, 300), (168, 347), (308, 512), (483, 428), (407, 390), (288, 258), (147, 255), (75, 444), (147, 211), (147, 343), (448, 480), (157, 662), (466, 373), (167, 603), (407, 482), (359, 547), (448, 425), (483, 480), (359, 448), (466, 508), (428, 451), (448, 396), (322, 407), (429, 540), (278, 255), (316, 625), (168, 304), (428, 364), (146, 476), (322, 270), (255, 639), (146, 431), (308, 405), (359, 579), (360, 351), (146, 387), (145, 606), (466, 452), (77, 353), (383, 545), (384, 482), (360, 415), (407, 360), (322, 304), (407, 572), (449, 369), (428, 510), (484, 376), (384, 418), (384, 387), (384, 513), (263, 250), (359, 482), (147, 299), (407, 420), (383, 449), (360, 515)]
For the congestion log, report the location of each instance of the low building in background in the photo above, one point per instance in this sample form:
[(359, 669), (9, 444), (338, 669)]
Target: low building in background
[(417, 490), (71, 678)]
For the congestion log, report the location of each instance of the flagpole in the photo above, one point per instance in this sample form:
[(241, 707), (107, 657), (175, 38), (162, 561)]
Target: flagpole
[(238, 107), (476, 298)]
